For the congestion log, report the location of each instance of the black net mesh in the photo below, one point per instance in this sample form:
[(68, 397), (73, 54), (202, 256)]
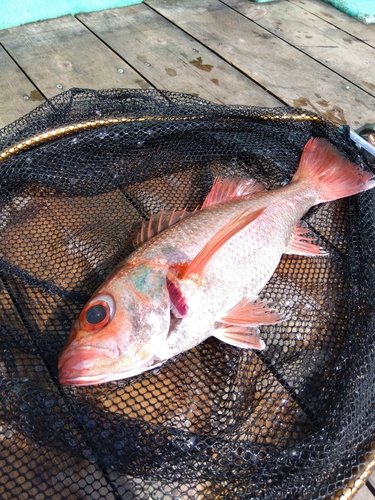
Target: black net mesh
[(78, 176)]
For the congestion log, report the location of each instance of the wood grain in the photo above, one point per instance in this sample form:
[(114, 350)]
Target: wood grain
[(272, 62), (18, 95), (319, 39), (364, 32), (171, 59), (300, 52), (61, 53)]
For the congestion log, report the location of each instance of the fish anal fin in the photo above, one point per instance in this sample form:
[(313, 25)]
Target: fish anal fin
[(239, 336), (231, 188), (252, 313), (302, 244), (159, 222), (201, 261)]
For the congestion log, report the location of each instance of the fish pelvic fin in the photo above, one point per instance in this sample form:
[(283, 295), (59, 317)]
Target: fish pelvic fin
[(302, 244), (240, 336), (231, 188), (334, 177), (238, 327), (252, 313), (202, 260)]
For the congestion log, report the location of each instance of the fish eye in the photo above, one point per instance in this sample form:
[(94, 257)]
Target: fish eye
[(98, 312)]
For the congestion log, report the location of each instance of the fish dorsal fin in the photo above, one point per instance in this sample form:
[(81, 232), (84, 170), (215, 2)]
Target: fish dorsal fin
[(201, 261), (231, 188), (222, 190), (158, 222)]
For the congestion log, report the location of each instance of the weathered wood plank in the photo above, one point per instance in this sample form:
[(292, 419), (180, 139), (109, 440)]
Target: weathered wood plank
[(365, 32), (371, 481), (61, 53), (372, 478), (172, 60), (18, 95), (364, 494), (319, 39), (289, 74)]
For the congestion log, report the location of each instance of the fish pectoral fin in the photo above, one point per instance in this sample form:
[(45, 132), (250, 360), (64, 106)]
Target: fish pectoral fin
[(302, 244), (159, 222), (202, 260), (240, 336), (251, 312), (231, 188)]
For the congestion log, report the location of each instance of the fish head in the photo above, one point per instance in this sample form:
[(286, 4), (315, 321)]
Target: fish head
[(120, 329)]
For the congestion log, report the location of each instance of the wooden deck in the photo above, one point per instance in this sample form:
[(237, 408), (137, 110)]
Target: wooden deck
[(302, 53)]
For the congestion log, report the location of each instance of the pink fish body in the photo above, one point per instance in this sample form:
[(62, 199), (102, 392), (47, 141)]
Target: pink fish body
[(198, 275)]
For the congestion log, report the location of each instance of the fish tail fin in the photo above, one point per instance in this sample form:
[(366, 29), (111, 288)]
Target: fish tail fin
[(333, 175)]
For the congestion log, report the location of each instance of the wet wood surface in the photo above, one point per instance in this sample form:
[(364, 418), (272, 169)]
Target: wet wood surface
[(301, 53)]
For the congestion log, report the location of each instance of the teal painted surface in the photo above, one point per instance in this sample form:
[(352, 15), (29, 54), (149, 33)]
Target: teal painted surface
[(16, 12), (363, 10)]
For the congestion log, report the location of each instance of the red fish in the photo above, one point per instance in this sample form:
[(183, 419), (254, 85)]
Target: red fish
[(197, 275)]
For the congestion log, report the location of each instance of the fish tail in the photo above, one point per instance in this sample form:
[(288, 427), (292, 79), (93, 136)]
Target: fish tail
[(334, 176)]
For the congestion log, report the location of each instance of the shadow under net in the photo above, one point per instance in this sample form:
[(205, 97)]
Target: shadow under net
[(79, 174)]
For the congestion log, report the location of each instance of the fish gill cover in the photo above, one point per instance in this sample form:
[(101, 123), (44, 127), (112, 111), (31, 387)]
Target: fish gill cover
[(78, 176)]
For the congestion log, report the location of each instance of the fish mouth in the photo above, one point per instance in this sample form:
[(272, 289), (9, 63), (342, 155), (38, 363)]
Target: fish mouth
[(78, 367)]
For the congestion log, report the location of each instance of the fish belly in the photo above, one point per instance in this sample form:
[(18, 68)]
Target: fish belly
[(240, 271)]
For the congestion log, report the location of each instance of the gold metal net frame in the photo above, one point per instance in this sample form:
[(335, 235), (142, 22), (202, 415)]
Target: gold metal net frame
[(79, 174)]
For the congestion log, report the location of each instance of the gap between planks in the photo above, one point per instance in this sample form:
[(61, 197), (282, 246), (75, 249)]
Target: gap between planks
[(220, 76), (293, 76)]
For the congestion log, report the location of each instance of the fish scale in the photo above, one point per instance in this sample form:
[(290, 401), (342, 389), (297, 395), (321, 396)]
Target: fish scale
[(258, 248), (200, 276)]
